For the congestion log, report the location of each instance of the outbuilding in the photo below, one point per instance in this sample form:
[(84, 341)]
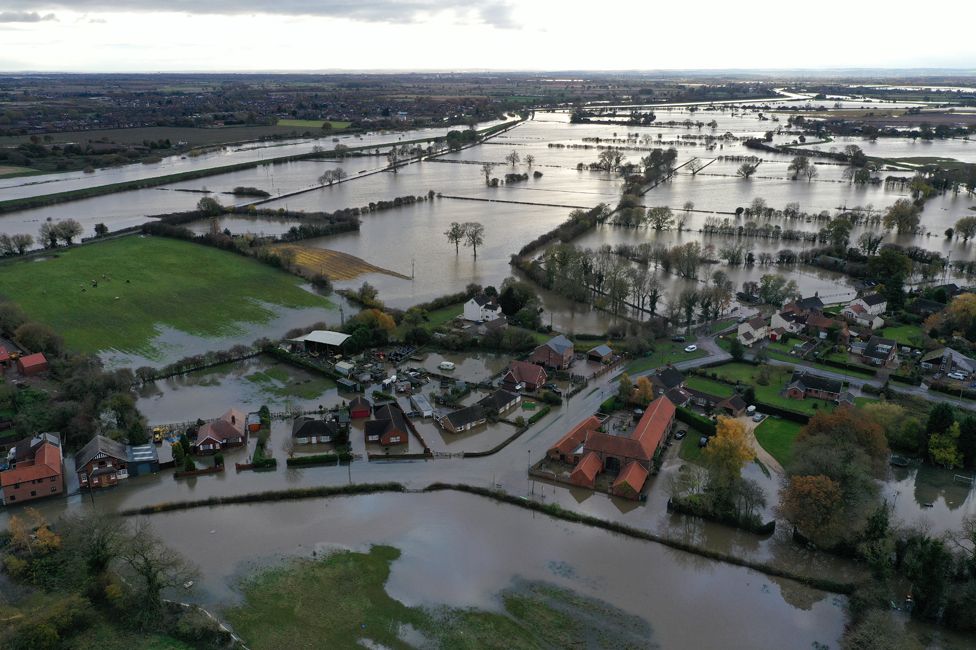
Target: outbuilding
[(32, 364)]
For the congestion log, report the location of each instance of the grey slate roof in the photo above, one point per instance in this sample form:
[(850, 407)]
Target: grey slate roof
[(100, 444), (559, 344), (805, 380)]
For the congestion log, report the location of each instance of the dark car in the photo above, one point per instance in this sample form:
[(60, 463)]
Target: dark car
[(678, 339), (554, 388)]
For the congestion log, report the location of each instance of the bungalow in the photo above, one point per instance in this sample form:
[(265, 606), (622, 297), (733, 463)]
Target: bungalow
[(602, 353), (666, 379), (805, 384), (946, 360), (879, 352), (556, 353), (32, 364), (389, 428), (481, 308), (307, 430), (733, 406), (35, 469), (464, 419), (528, 376), (360, 407), (752, 331), (500, 401), (103, 462), (226, 431)]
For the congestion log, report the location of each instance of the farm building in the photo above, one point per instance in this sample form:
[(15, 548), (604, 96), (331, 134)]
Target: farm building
[(321, 342), (359, 408), (946, 360), (556, 353), (344, 368), (227, 431), (103, 462), (602, 353), (32, 364), (35, 469)]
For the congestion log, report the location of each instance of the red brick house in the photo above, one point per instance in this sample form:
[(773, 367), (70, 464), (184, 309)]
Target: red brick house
[(529, 375), (557, 352), (389, 428), (227, 431), (36, 470), (32, 364), (804, 384), (104, 461)]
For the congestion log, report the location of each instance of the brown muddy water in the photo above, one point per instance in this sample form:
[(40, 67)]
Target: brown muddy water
[(461, 550)]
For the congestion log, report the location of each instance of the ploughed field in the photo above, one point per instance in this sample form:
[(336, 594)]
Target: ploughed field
[(334, 264), (115, 295)]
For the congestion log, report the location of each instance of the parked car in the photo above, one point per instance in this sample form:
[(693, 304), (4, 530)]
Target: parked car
[(703, 441), (678, 339), (446, 365), (758, 417), (958, 376), (691, 348), (554, 388), (679, 434)]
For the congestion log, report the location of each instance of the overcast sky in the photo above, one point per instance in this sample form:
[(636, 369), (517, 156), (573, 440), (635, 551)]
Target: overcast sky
[(278, 35)]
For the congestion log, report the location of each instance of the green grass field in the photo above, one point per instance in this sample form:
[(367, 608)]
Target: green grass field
[(341, 602), (144, 283), (313, 124), (665, 352), (910, 335), (770, 394), (709, 386), (777, 436)]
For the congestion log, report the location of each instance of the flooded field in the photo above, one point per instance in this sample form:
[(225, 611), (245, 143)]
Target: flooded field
[(459, 550), (935, 499)]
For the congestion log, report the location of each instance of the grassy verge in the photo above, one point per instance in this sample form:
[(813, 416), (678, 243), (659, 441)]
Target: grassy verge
[(776, 436), (144, 283), (346, 606)]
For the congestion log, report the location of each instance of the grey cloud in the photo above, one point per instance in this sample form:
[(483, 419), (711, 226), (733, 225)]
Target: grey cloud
[(491, 12), (24, 17)]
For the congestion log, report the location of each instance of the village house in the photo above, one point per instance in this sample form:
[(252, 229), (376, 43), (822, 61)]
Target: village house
[(481, 309), (858, 315), (808, 305), (464, 419), (821, 327), (880, 352), (523, 375), (873, 304), (103, 462), (35, 469), (500, 401), (787, 320), (666, 379), (947, 360), (32, 364), (306, 430), (752, 331), (226, 431), (555, 353), (804, 384), (389, 427), (733, 406), (593, 452)]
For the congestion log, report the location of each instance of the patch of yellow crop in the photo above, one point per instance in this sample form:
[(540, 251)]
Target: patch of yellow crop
[(332, 264)]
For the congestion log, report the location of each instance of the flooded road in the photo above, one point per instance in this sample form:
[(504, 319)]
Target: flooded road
[(461, 550)]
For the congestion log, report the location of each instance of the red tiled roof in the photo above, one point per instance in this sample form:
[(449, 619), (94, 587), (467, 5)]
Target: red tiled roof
[(653, 425), (572, 440), (32, 360), (527, 372), (4, 355), (632, 477), (585, 473), (47, 463), (611, 445), (230, 425)]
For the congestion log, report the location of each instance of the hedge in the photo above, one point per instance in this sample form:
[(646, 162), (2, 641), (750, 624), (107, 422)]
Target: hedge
[(966, 393), (540, 414), (905, 379), (687, 507), (319, 459), (695, 421)]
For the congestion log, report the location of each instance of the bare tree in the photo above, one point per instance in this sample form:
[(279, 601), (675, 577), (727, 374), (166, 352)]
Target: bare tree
[(695, 165), (474, 235), (154, 566), (513, 158), (810, 172), (529, 160), (486, 170), (393, 157), (747, 169)]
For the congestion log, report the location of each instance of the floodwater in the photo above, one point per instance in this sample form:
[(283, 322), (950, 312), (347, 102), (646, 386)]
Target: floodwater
[(934, 499), (460, 550)]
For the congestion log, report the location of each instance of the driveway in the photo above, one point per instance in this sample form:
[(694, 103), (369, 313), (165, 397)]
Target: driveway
[(761, 454)]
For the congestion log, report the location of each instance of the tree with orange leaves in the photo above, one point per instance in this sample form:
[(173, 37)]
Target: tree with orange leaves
[(814, 504)]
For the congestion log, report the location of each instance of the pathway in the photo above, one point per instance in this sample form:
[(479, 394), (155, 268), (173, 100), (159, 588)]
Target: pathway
[(762, 455)]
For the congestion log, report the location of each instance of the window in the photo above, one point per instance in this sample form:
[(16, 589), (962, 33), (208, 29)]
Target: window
[(13, 497), (33, 493), (54, 489)]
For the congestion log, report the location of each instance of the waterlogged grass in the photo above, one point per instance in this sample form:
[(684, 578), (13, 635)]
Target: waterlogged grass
[(341, 602), (279, 382), (144, 282), (777, 436)]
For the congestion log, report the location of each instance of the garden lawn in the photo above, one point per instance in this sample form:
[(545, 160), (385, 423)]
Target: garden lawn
[(910, 335), (776, 436), (144, 283), (779, 376), (709, 386), (665, 352)]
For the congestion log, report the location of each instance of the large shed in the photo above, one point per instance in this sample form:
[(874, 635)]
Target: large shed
[(32, 364), (319, 341)]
